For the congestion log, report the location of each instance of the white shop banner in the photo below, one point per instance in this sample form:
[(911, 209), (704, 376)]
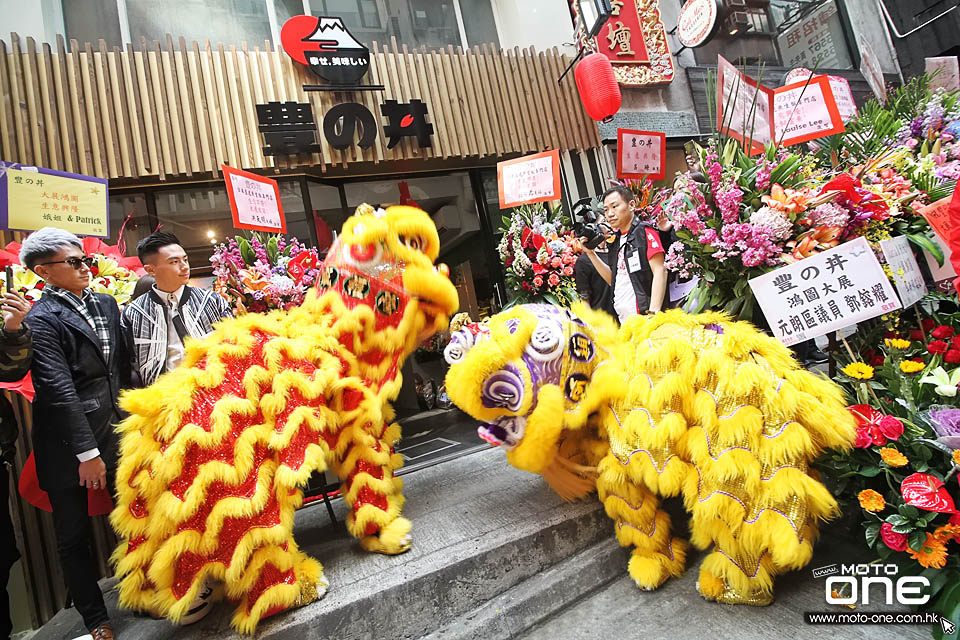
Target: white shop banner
[(906, 272), (824, 292)]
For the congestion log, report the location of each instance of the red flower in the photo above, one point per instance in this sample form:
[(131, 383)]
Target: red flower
[(942, 332), (955, 519), (928, 324), (955, 342), (526, 286), (868, 425), (538, 269), (952, 356), (876, 361), (916, 334), (937, 346), (538, 281), (863, 440), (891, 427), (926, 492), (896, 541), (553, 280)]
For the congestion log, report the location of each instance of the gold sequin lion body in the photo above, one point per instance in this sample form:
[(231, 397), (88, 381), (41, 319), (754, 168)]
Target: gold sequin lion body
[(214, 454), (666, 405)]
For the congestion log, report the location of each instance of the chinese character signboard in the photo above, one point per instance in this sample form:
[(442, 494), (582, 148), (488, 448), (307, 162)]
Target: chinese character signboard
[(871, 71), (287, 127), (906, 273), (641, 154), (254, 201), (789, 115), (938, 215), (843, 96), (33, 197), (815, 40), (634, 40), (947, 73), (824, 293), (534, 178), (325, 45)]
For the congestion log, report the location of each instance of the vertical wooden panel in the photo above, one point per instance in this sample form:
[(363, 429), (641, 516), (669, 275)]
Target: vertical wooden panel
[(49, 107), (240, 102), (510, 113), (104, 109), (526, 123), (144, 84), (133, 112), (161, 110), (545, 97), (122, 122), (213, 106), (25, 152), (564, 113), (226, 109), (69, 143), (34, 113), (171, 104), (184, 89), (469, 115), (536, 108), (7, 125)]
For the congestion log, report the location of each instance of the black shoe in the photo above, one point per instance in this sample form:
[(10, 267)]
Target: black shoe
[(815, 356)]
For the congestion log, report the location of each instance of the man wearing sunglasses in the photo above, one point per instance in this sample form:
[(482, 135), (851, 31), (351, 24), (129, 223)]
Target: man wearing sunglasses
[(79, 367)]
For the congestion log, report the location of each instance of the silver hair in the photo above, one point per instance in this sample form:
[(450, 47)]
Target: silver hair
[(45, 243)]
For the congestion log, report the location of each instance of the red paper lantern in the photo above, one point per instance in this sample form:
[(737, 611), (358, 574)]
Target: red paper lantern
[(598, 87)]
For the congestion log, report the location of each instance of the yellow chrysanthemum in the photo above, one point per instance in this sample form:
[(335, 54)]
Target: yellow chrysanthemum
[(859, 370), (893, 457), (932, 553), (870, 500), (911, 366), (897, 343), (956, 457)]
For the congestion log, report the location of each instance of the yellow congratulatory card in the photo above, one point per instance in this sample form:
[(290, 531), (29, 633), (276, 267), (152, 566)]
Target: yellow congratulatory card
[(36, 200)]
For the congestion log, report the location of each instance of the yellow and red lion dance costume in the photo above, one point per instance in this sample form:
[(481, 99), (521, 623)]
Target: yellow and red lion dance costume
[(214, 454), (669, 404)]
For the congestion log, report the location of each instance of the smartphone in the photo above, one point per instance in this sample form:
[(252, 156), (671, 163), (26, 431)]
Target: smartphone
[(9, 278)]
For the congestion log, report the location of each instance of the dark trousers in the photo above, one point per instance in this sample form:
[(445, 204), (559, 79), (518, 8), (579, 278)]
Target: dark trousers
[(8, 553), (71, 524)]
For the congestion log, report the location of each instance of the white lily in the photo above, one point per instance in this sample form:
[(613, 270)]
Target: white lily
[(946, 382)]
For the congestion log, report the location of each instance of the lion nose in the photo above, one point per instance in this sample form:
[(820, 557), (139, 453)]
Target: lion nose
[(443, 270)]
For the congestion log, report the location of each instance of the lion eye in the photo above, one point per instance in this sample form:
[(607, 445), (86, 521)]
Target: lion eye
[(413, 242)]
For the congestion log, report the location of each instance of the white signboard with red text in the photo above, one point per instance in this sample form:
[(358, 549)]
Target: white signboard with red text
[(947, 72), (254, 201), (641, 154), (533, 178), (824, 293)]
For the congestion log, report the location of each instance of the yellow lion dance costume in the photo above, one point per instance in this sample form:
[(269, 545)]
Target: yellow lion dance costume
[(214, 454), (669, 404)]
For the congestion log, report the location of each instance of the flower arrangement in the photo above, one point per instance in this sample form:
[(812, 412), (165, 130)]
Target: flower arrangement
[(538, 252), (262, 274)]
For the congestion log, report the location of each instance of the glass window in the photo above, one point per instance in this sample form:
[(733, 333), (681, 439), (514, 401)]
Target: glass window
[(91, 21), (286, 9), (478, 22), (226, 21), (128, 215), (809, 36), (413, 22)]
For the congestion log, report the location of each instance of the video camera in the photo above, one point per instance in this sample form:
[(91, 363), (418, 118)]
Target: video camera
[(588, 223)]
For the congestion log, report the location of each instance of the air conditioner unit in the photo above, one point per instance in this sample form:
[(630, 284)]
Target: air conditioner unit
[(447, 221)]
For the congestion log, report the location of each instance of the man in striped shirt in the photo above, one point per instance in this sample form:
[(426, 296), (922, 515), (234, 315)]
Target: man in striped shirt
[(156, 324)]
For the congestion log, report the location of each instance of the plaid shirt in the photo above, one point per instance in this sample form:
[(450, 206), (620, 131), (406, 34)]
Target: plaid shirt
[(89, 309)]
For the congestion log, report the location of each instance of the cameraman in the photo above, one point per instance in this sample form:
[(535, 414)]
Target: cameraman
[(634, 264)]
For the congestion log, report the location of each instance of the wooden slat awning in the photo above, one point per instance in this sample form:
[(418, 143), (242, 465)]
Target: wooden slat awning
[(180, 109)]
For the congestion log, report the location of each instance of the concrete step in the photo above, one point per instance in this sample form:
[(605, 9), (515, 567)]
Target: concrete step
[(480, 528), (536, 599)]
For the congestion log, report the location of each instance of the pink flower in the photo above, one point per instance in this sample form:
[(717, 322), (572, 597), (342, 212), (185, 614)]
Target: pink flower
[(538, 281), (556, 262), (568, 271), (863, 440), (891, 427), (553, 280), (896, 541)]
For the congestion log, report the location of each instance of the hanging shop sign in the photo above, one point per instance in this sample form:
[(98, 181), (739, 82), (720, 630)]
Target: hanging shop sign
[(816, 39), (906, 272), (788, 115), (635, 41), (533, 178), (34, 197), (824, 293), (289, 127), (698, 22), (327, 47), (641, 154), (254, 201)]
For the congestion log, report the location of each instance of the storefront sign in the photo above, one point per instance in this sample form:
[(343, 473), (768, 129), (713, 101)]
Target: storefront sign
[(289, 127), (825, 292), (641, 154), (533, 178), (947, 73), (635, 41), (254, 201), (697, 22), (871, 71), (906, 272), (327, 47), (816, 40), (788, 115), (34, 197), (938, 215)]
